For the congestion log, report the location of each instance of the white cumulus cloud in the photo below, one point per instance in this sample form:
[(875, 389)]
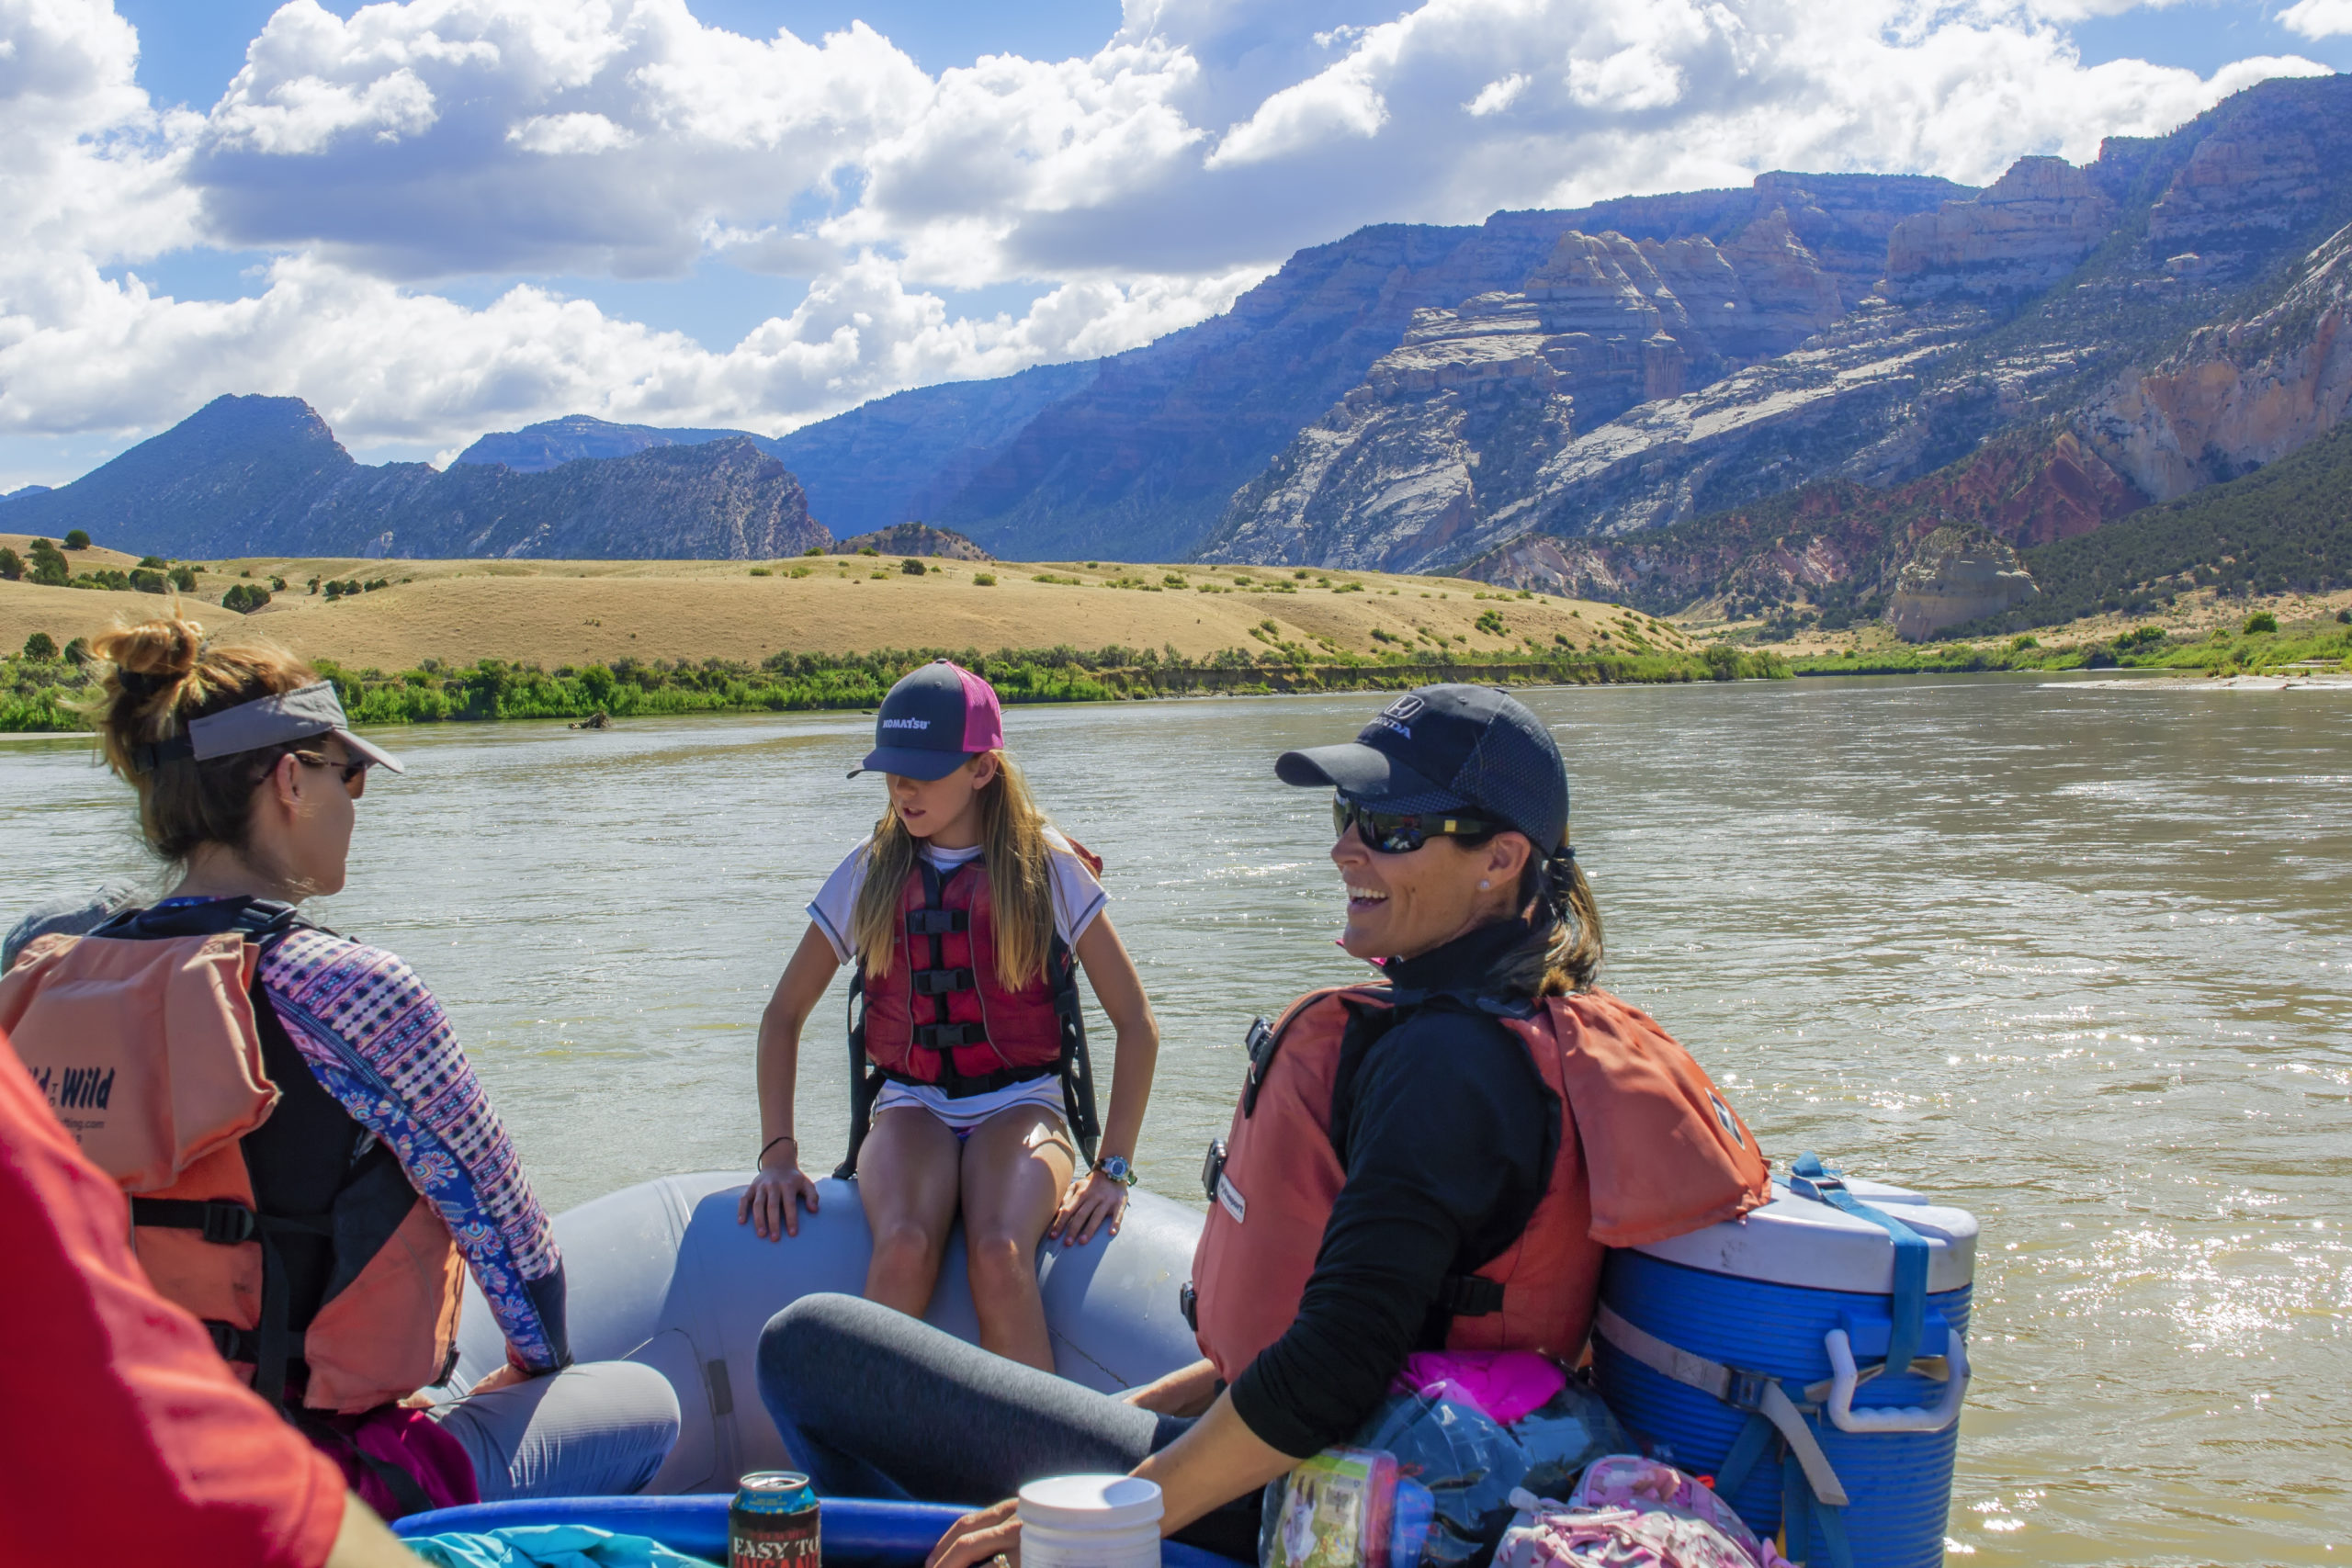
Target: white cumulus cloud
[(387, 162)]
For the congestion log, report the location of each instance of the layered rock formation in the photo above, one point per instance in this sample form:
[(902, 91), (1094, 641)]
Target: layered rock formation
[(1956, 575), (265, 475), (1448, 435), (2239, 393), (2033, 228)]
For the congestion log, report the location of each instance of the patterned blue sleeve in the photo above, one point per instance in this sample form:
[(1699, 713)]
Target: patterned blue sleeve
[(378, 1041)]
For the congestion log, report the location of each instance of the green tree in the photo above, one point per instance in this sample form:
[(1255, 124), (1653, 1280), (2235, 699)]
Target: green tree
[(75, 539), (1722, 662), (184, 579), (40, 645), (78, 651), (49, 566), (153, 563), (2261, 621), (12, 565), (911, 567), (244, 597)]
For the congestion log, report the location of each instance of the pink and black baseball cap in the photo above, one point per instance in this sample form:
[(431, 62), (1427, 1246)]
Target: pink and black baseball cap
[(933, 722)]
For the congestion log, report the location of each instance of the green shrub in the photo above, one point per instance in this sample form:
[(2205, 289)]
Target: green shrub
[(814, 550), (1491, 622), (183, 578), (797, 571), (75, 539), (12, 565), (984, 579), (40, 645), (2020, 643), (48, 567), (869, 550), (153, 563), (78, 651), (2344, 617), (144, 579), (2261, 621), (1723, 662), (761, 571), (244, 597), (911, 567), (2140, 637)]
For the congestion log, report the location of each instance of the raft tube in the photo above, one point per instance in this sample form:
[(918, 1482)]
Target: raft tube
[(662, 1274), (854, 1533)]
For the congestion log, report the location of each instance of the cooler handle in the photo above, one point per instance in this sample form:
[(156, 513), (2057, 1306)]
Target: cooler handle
[(1844, 1377)]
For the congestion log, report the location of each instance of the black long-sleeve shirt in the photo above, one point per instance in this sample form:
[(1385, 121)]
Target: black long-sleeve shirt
[(1447, 1134)]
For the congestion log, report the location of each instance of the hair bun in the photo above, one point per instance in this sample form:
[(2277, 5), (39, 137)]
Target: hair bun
[(162, 650)]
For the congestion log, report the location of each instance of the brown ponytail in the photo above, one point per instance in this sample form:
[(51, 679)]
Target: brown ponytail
[(1561, 955), (156, 677)]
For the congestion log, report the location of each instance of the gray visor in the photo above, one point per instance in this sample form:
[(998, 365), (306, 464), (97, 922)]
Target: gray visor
[(275, 721)]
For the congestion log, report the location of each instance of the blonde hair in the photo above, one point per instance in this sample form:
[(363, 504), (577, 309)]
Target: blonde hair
[(1012, 848), (154, 678)]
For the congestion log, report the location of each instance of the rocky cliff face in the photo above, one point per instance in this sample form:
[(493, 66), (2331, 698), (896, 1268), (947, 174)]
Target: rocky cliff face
[(2057, 309), (265, 475), (1957, 574), (2033, 228), (2238, 393)]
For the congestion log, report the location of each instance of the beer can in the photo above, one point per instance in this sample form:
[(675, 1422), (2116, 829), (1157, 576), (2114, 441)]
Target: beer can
[(772, 1521)]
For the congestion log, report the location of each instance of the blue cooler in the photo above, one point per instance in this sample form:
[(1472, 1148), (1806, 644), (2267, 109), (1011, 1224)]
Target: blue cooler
[(1812, 1357)]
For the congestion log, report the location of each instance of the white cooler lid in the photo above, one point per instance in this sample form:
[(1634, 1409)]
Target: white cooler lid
[(1797, 1241)]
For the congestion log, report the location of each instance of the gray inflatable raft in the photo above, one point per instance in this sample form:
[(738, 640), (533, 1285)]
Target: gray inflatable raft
[(660, 1273)]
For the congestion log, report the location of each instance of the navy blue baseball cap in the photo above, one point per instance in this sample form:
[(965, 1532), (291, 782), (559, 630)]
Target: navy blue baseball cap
[(1471, 749), (935, 720)]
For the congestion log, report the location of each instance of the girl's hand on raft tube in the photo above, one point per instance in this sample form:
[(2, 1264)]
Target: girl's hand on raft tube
[(772, 1202), (977, 1537), (1093, 1198)]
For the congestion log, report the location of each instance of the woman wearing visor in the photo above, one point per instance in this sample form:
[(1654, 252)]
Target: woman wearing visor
[(1438, 1159), (313, 1165)]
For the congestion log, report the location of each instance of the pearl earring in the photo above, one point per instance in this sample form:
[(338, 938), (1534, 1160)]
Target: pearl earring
[(1484, 884)]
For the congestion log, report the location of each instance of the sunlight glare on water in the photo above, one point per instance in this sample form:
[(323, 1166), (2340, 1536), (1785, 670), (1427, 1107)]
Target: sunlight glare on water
[(2073, 956)]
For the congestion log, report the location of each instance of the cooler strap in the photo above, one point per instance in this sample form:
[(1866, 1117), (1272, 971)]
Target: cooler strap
[(1810, 1178), (1753, 1391)]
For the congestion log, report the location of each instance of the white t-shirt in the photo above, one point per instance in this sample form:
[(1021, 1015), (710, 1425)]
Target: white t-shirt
[(1078, 899)]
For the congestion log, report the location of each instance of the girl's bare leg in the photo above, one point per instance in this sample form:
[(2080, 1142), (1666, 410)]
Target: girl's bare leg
[(908, 1177), (1017, 1165)]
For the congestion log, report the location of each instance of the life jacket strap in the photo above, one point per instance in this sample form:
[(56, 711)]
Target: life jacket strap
[(962, 1085), (244, 1344), (1470, 1295), (938, 922), (950, 1036)]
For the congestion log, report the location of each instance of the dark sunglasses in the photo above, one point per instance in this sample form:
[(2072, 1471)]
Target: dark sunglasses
[(1395, 835), (350, 771)]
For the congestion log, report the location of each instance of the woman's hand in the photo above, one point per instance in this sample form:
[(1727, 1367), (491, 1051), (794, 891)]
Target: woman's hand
[(772, 1202), (1093, 1198), (975, 1538)]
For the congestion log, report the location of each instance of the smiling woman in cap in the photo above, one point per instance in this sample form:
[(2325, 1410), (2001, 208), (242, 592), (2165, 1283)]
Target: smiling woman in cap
[(1434, 1161), (312, 1162)]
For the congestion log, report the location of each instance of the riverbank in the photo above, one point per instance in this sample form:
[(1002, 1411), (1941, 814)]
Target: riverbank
[(2259, 645), (41, 694)]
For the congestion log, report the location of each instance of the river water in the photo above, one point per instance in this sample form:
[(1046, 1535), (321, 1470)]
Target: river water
[(2076, 956)]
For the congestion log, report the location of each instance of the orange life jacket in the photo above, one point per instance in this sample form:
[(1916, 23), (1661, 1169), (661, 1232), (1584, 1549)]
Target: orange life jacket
[(1648, 1149), (149, 1043)]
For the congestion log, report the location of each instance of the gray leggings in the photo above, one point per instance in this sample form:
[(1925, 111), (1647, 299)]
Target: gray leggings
[(599, 1429), (874, 1404)]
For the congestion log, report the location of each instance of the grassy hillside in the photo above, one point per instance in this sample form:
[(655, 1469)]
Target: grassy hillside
[(425, 641)]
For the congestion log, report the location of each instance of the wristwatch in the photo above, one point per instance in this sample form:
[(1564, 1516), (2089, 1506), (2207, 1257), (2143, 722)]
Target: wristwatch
[(1117, 1168)]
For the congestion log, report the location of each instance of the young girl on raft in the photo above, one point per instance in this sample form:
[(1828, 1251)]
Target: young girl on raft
[(960, 909)]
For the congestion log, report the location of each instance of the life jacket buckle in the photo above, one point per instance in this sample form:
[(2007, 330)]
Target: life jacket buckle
[(1261, 1042), (1188, 1301), (936, 922), (1212, 1170), (942, 982), (227, 1223)]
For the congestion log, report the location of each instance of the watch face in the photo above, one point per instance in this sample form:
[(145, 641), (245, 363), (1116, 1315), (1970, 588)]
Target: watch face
[(1114, 1168)]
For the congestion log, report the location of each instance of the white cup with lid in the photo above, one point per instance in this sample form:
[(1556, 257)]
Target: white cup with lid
[(1090, 1521)]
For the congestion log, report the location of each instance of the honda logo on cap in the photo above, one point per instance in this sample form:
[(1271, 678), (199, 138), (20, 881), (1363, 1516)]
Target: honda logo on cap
[(1397, 715)]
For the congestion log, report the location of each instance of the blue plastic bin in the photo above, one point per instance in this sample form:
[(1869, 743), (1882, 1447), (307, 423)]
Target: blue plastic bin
[(1775, 1293)]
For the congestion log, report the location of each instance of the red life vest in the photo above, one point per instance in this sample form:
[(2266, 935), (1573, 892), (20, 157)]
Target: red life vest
[(942, 1016), (1648, 1149), (152, 1054)]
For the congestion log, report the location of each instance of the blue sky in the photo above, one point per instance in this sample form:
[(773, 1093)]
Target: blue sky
[(432, 219)]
